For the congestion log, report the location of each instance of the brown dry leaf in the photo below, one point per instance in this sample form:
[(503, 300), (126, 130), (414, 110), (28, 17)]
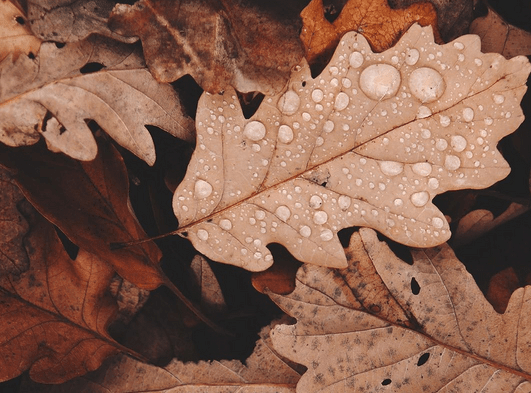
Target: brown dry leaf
[(70, 21), (453, 16), (501, 37), (263, 372), (501, 287), (369, 142), (89, 202), (435, 333), (219, 43), (15, 36), (478, 222), (13, 227), (55, 315), (368, 17), (56, 93), (212, 300)]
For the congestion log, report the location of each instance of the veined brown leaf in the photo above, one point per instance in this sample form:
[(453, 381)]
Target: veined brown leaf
[(369, 142), (383, 325)]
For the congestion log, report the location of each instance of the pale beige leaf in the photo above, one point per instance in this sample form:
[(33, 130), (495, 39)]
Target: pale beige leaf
[(501, 37), (15, 35), (263, 372), (442, 335), (369, 142), (479, 222), (58, 100)]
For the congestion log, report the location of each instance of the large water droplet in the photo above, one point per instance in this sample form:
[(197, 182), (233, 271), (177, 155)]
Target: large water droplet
[(202, 235), (283, 213), (391, 168), (426, 84), (468, 114), (328, 126), (458, 143), (344, 202), (289, 103), (356, 59), (342, 101), (202, 189), (326, 235), (320, 217), (441, 144), (423, 112), (420, 199), (317, 95), (422, 168), (452, 162), (316, 201), (254, 130), (225, 224), (285, 134), (444, 120), (380, 81), (433, 183), (305, 231), (259, 214), (437, 222), (412, 56)]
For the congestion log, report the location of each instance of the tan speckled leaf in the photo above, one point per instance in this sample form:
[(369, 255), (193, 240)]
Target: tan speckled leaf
[(15, 36), (369, 142), (421, 328)]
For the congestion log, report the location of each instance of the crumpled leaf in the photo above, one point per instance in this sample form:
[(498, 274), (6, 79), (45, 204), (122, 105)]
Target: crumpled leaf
[(263, 372), (56, 93), (453, 16), (54, 316), (70, 21), (219, 43), (369, 142), (89, 202), (501, 37), (368, 17), (435, 332), (13, 227), (15, 36)]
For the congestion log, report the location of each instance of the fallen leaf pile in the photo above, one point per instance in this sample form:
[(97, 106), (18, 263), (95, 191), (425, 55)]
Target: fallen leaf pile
[(343, 160)]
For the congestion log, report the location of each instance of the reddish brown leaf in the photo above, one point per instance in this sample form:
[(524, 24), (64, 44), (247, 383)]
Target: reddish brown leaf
[(220, 43), (54, 316), (89, 201)]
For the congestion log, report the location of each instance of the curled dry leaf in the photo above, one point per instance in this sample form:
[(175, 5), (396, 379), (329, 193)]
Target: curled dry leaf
[(501, 37), (15, 36), (453, 16), (54, 95), (89, 202), (13, 227), (369, 142), (263, 372), (435, 332), (70, 21), (320, 37), (54, 316), (219, 43)]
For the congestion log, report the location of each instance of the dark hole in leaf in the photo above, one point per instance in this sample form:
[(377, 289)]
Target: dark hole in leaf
[(31, 55), (423, 359), (250, 102), (70, 248), (332, 9), (386, 382), (62, 130), (59, 45), (45, 120), (184, 234), (91, 67), (303, 83), (323, 184), (415, 287), (20, 20)]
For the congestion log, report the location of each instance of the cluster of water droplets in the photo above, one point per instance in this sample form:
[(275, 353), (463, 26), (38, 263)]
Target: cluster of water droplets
[(384, 133)]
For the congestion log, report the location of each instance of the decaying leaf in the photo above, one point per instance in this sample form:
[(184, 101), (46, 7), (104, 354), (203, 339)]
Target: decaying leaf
[(369, 142), (501, 287), (437, 333), (501, 37), (479, 222), (453, 16), (212, 300), (219, 43), (263, 372), (54, 316), (15, 36), (89, 202), (71, 20), (13, 227), (56, 93), (368, 17)]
